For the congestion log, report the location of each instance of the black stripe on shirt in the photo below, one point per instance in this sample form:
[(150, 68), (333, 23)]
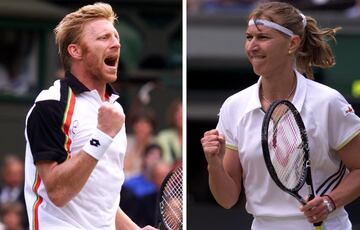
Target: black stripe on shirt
[(332, 179), (44, 128)]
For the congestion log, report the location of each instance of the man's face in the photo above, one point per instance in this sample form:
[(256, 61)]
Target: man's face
[(100, 45), (13, 174)]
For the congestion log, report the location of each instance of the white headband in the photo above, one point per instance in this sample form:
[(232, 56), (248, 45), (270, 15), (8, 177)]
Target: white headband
[(275, 26), (272, 25)]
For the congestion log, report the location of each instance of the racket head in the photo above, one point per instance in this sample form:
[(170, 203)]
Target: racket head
[(285, 147), (170, 201)]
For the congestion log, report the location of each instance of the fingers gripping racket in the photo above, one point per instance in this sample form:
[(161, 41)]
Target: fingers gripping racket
[(286, 150), (171, 201)]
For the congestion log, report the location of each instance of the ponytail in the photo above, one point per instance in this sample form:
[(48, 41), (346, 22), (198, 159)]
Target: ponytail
[(314, 48)]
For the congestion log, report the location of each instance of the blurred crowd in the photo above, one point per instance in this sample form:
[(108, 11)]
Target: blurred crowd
[(12, 204), (350, 8), (149, 158)]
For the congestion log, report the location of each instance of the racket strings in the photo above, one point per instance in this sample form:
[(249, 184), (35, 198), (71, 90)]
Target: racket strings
[(286, 147), (171, 202)]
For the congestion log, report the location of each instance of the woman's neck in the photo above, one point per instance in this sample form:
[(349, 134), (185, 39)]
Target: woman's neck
[(278, 86)]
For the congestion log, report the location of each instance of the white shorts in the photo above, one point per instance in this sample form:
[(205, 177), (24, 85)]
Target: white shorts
[(338, 220)]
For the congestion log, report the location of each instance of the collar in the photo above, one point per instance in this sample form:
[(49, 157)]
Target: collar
[(298, 99), (300, 93), (78, 87)]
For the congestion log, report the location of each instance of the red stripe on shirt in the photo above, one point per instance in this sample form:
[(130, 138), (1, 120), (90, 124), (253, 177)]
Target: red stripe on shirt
[(67, 120), (39, 199)]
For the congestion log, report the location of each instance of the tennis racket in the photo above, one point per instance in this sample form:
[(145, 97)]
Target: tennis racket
[(171, 201), (286, 150)]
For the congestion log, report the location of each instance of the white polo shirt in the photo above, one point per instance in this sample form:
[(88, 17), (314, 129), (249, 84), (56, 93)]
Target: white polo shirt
[(330, 123), (57, 127)]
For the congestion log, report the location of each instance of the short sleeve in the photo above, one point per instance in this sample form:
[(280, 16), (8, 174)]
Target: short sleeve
[(226, 128), (343, 123), (44, 131)]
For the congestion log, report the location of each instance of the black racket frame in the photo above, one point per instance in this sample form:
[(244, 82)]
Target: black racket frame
[(306, 174)]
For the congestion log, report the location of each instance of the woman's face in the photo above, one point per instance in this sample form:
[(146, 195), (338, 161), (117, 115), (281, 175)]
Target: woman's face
[(143, 129), (267, 49)]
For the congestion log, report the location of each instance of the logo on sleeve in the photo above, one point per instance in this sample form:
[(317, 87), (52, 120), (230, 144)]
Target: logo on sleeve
[(348, 109), (75, 126), (94, 142)]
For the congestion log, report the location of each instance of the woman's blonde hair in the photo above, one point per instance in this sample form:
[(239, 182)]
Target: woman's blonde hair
[(70, 29), (314, 49)]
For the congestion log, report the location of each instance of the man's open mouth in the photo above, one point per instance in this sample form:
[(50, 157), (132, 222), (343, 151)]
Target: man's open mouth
[(111, 61)]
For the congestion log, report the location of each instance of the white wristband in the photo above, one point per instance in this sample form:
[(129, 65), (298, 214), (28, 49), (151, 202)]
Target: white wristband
[(97, 145)]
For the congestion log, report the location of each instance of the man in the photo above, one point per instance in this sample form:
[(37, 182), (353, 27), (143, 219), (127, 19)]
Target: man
[(75, 132), (12, 174), (11, 190)]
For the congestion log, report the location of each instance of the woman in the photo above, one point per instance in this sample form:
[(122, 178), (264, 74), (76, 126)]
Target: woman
[(170, 139), (282, 45), (143, 126)]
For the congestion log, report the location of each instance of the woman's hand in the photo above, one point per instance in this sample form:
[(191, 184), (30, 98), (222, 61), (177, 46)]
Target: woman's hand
[(316, 210), (214, 147)]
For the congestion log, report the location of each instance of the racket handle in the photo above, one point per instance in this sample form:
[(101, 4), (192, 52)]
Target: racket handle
[(319, 225), (311, 196)]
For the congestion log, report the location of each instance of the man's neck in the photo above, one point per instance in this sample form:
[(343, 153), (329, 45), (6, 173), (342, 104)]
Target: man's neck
[(90, 82)]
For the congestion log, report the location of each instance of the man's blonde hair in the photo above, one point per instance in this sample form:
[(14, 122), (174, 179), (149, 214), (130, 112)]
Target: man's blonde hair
[(70, 29)]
